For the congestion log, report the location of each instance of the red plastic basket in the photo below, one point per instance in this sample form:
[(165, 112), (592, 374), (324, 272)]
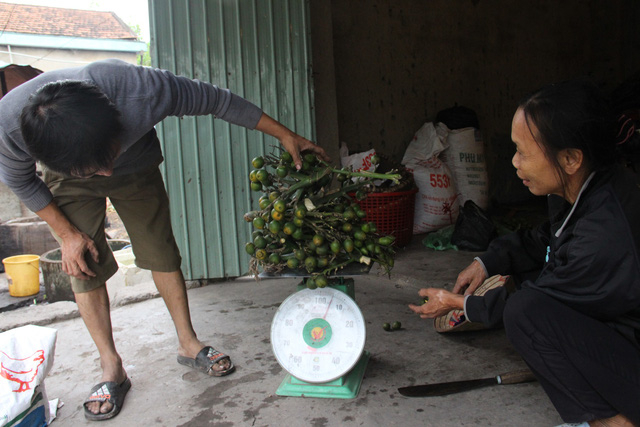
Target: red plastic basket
[(392, 213)]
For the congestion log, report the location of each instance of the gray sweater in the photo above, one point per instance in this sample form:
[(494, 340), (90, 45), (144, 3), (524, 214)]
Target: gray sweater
[(144, 96)]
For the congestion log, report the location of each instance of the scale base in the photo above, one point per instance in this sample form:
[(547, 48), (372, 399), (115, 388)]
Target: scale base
[(345, 387)]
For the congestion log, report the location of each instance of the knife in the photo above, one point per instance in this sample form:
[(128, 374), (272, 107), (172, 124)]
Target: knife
[(442, 389)]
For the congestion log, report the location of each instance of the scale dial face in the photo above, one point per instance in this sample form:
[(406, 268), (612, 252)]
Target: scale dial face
[(318, 335)]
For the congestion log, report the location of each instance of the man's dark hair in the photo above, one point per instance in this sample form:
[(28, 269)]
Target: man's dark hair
[(72, 127)]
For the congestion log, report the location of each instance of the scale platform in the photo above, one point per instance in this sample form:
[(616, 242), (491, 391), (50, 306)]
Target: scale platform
[(324, 334)]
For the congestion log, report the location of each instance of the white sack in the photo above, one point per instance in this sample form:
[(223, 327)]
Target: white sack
[(465, 158), (437, 199), (26, 357), (358, 161)]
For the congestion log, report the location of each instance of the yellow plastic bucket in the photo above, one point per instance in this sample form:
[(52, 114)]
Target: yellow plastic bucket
[(23, 274)]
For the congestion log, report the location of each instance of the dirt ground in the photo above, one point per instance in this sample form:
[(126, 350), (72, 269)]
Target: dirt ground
[(235, 317)]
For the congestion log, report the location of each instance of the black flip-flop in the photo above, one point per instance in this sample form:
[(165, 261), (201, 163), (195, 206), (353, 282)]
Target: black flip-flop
[(204, 361), (108, 391)]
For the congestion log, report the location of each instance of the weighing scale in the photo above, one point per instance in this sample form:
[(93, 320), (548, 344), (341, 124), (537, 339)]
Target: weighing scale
[(318, 337)]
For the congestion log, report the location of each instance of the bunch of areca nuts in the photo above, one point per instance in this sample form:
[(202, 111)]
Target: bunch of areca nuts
[(310, 219)]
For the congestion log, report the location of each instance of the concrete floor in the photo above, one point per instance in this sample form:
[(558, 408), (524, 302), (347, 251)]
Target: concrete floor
[(235, 317)]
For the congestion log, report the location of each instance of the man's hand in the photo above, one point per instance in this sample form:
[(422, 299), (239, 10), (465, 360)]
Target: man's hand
[(295, 144), (470, 278), (292, 142), (74, 246), (439, 302)]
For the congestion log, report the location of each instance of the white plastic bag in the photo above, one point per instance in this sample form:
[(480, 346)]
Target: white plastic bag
[(465, 159), (26, 357), (437, 199), (358, 161)]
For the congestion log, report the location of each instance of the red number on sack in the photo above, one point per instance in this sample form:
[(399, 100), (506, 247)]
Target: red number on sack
[(366, 162), (439, 180)]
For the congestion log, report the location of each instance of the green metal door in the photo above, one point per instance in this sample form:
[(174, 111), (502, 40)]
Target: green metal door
[(260, 50)]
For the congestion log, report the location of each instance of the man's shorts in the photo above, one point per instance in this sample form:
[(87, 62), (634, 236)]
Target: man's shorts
[(141, 201)]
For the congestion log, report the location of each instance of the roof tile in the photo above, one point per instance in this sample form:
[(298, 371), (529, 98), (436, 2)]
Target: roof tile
[(20, 18)]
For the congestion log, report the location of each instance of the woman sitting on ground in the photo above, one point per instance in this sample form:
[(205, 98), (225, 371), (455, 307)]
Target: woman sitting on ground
[(577, 322)]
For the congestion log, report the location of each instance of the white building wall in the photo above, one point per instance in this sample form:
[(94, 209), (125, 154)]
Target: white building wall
[(54, 59)]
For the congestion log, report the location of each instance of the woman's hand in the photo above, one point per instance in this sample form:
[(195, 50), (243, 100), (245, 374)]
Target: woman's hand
[(470, 278), (439, 302)]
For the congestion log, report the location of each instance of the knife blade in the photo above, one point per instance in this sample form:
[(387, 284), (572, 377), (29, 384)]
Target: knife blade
[(442, 389)]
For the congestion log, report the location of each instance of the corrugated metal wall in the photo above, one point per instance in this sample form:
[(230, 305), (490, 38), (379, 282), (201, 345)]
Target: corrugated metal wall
[(260, 50)]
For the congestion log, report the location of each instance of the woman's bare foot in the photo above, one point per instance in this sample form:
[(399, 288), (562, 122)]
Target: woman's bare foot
[(617, 421)]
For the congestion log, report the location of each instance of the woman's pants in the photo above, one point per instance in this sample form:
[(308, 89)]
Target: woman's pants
[(588, 370)]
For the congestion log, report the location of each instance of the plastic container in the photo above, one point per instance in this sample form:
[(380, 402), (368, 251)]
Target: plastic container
[(23, 272), (392, 213), (125, 257)]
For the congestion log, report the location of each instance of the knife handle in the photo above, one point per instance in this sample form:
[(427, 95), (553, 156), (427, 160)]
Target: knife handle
[(516, 377)]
